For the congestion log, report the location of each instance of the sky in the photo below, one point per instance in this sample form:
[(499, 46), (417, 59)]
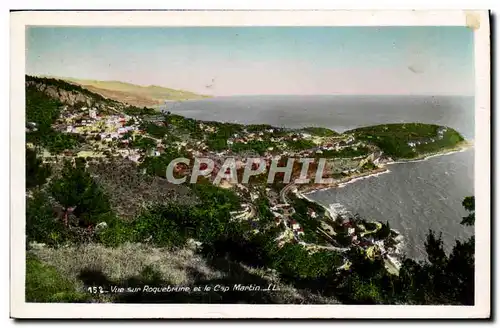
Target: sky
[(226, 61)]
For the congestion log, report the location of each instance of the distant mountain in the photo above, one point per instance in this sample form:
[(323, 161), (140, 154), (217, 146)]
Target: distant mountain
[(137, 95)]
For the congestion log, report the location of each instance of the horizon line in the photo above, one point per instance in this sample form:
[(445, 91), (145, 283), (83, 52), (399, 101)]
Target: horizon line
[(256, 94)]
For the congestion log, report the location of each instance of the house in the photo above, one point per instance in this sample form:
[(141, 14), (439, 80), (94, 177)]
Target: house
[(311, 212), (134, 157), (295, 225), (277, 215)]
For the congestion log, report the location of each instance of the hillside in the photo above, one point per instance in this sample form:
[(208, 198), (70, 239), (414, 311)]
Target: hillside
[(410, 140), (100, 211), (136, 95)]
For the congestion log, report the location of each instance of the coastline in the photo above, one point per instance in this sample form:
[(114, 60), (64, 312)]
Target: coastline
[(305, 191), (309, 189), (461, 147)]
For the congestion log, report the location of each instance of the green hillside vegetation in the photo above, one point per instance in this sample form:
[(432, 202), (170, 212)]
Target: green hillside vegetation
[(321, 132), (66, 205), (394, 139), (43, 111), (45, 284)]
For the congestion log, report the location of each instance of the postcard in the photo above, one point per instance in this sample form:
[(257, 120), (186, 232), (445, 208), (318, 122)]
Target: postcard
[(250, 164)]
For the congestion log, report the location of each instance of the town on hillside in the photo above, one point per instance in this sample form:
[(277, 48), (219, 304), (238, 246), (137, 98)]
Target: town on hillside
[(151, 139)]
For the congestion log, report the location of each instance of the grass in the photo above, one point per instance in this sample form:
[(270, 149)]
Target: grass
[(139, 264), (45, 284), (126, 260)]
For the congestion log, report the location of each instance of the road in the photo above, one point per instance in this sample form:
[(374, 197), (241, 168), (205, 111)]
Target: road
[(285, 191)]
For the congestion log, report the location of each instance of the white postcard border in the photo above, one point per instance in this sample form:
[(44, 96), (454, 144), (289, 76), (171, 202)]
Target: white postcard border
[(476, 20)]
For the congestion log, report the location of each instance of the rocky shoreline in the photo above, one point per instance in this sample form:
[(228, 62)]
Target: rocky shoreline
[(311, 188), (393, 260), (462, 146)]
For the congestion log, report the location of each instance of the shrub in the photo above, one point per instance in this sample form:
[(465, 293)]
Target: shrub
[(76, 188), (41, 223)]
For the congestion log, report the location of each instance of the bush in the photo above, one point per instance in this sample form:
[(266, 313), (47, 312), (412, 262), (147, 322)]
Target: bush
[(76, 188), (165, 225), (36, 172), (41, 224)]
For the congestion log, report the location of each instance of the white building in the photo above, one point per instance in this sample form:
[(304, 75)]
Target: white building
[(134, 157)]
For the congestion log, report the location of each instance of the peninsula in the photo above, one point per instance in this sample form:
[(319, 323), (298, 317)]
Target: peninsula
[(70, 128)]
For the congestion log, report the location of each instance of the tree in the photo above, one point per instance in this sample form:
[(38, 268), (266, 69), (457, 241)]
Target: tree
[(144, 143), (443, 279), (78, 193), (469, 204), (36, 172)]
